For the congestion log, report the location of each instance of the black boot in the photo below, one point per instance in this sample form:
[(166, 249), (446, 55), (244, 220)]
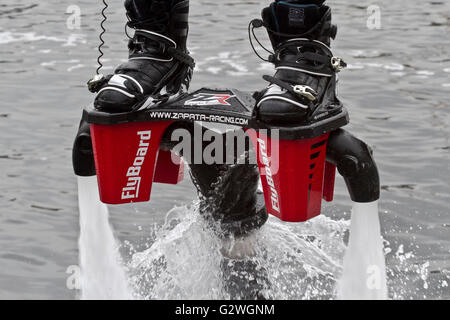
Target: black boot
[(158, 62), (305, 80)]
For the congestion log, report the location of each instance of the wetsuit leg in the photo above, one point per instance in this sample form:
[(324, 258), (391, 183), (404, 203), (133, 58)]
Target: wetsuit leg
[(228, 192)]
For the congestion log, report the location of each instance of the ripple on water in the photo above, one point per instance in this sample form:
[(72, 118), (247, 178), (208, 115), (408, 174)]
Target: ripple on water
[(22, 259)]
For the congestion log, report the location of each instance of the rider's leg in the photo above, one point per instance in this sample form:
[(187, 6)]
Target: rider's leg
[(228, 190), (158, 57)]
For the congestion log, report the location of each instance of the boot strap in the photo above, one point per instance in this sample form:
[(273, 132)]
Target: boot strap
[(155, 37), (307, 94), (182, 57), (172, 49), (323, 62)]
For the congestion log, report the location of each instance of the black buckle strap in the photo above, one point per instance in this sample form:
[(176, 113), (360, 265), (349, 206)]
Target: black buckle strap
[(154, 36), (172, 49), (313, 57), (307, 94), (181, 56), (322, 60)]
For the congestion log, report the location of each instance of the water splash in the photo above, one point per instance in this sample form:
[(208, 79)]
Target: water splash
[(186, 260), (290, 261), (103, 277), (364, 268), (182, 263)]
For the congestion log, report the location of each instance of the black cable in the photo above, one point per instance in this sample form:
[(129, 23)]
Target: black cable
[(251, 31), (102, 41)]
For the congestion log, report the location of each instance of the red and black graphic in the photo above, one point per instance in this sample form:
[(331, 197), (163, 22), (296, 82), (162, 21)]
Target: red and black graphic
[(206, 99)]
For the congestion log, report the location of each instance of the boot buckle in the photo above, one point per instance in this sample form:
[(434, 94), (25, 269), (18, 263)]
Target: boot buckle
[(338, 64), (96, 83), (305, 91)]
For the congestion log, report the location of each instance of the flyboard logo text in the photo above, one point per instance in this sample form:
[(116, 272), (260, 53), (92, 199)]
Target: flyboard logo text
[(269, 176), (131, 191), (205, 99)]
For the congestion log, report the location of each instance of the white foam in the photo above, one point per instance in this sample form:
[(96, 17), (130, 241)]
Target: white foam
[(398, 74), (394, 67), (235, 65), (74, 39), (374, 65), (238, 73), (425, 73), (266, 66), (54, 62), (366, 54), (356, 66), (214, 70), (77, 66), (8, 37)]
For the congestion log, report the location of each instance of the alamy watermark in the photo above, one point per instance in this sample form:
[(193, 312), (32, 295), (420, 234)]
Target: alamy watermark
[(374, 17), (73, 281), (374, 277), (230, 148), (73, 22)]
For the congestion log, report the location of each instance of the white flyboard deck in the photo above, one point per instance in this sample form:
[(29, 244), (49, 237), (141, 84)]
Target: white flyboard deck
[(102, 275), (364, 269)]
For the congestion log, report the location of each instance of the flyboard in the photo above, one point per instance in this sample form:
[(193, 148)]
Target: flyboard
[(297, 163), (296, 174), (124, 149)]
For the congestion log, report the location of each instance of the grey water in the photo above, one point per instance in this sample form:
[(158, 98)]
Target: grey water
[(396, 89)]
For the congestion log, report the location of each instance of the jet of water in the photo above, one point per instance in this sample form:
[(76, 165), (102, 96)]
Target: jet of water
[(364, 269), (103, 277)]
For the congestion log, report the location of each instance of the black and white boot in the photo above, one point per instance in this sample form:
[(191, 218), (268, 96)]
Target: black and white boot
[(306, 70), (159, 63)]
